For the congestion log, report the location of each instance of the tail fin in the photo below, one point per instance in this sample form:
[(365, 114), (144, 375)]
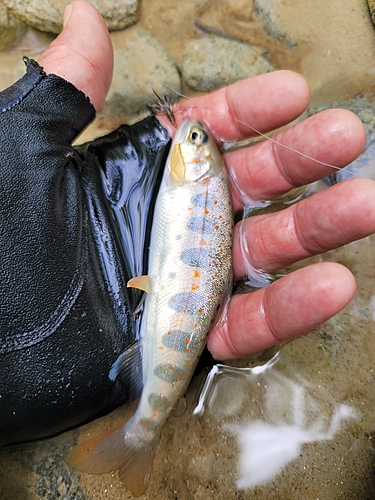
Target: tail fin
[(111, 451), (136, 469)]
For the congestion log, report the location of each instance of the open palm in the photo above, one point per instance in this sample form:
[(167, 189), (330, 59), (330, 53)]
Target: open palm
[(296, 303)]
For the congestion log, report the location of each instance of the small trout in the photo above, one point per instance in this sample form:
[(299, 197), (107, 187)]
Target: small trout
[(189, 272)]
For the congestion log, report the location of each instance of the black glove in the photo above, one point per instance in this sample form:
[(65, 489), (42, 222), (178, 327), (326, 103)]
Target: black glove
[(74, 228)]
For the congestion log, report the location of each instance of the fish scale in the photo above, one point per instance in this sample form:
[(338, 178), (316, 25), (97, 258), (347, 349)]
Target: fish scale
[(185, 306), (189, 273)]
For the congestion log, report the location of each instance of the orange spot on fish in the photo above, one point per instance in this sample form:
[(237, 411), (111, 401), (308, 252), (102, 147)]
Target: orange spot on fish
[(220, 216), (155, 415), (167, 399), (187, 340), (161, 347), (170, 367), (214, 262), (200, 310), (216, 228), (203, 242), (208, 157), (195, 325), (206, 181), (220, 250), (190, 208), (187, 361), (187, 350), (197, 274), (194, 287), (179, 377), (215, 203), (206, 212)]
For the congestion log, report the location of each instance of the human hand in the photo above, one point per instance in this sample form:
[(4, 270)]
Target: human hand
[(296, 303)]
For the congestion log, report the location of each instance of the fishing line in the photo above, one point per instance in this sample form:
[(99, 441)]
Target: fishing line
[(255, 278), (253, 129)]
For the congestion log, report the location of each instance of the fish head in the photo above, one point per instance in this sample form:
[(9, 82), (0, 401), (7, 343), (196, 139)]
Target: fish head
[(194, 155)]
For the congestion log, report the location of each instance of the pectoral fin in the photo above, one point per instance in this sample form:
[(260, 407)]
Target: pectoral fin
[(141, 282), (178, 167)]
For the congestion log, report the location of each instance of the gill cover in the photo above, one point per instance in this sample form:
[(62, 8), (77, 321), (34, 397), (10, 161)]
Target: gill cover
[(190, 158)]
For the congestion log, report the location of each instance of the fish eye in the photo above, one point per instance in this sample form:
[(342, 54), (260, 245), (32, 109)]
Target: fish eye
[(198, 136)]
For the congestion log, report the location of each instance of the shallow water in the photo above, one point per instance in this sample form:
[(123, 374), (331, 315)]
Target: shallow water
[(304, 421)]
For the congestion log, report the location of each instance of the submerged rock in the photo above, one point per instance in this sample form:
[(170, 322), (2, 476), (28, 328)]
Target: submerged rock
[(47, 15), (141, 66), (11, 30), (226, 18), (213, 62), (266, 12), (371, 6), (244, 20)]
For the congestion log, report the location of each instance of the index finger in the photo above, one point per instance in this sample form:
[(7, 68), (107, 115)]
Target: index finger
[(304, 153), (258, 104)]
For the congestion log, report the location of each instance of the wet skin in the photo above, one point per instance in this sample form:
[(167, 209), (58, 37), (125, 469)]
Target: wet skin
[(295, 304)]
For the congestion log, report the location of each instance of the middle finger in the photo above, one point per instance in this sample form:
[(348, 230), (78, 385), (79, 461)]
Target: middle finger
[(329, 219), (273, 167)]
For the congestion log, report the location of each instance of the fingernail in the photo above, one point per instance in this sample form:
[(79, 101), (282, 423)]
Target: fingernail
[(67, 13)]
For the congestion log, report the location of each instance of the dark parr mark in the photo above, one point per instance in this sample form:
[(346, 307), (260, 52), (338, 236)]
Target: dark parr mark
[(200, 225), (196, 257), (188, 302), (169, 373)]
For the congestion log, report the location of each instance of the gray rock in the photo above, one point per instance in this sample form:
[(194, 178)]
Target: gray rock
[(227, 18), (141, 66), (38, 471), (213, 62), (3, 14), (265, 11), (47, 15), (245, 21), (11, 30)]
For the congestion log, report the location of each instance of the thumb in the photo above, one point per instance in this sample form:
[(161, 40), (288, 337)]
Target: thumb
[(82, 54)]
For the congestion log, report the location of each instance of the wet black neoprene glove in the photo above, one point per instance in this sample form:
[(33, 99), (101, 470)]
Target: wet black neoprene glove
[(74, 228)]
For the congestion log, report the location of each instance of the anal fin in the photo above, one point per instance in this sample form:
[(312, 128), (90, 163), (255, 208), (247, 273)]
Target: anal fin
[(129, 367)]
